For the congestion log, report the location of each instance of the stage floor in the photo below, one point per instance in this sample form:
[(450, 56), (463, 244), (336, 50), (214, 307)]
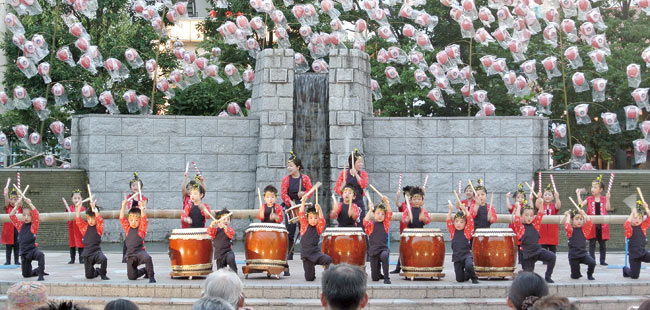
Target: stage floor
[(60, 271)]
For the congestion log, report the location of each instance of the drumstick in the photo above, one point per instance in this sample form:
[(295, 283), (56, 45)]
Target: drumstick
[(472, 187), (312, 189), (370, 200), (640, 194), (20, 192), (611, 182), (300, 185), (67, 207), (408, 206), (8, 182), (574, 203), (376, 191), (460, 183), (553, 183), (212, 217), (426, 179), (539, 177), (532, 190), (18, 179), (139, 191), (259, 195), (458, 197), (90, 194), (491, 200), (334, 201), (197, 169), (187, 166), (316, 195), (222, 218), (399, 184)]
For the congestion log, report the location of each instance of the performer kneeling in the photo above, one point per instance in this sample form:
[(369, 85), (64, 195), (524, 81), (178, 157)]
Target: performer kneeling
[(135, 229), (527, 227), (576, 231), (27, 230), (312, 226), (91, 231), (222, 234), (461, 228), (635, 230), (378, 231)]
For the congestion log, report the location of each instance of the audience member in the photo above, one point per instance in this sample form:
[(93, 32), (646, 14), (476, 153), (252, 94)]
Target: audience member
[(121, 304), (645, 305), (63, 305), (26, 296), (224, 284), (554, 302), (344, 287), (212, 303), (526, 289)]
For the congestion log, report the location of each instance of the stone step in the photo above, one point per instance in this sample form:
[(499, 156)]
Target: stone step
[(154, 303), (417, 290)]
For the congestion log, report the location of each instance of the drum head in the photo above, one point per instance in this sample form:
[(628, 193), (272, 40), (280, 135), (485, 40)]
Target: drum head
[(433, 232), (339, 231), (494, 232), (190, 233), (266, 227)]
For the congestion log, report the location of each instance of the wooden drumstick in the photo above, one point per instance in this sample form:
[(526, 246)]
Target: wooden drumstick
[(317, 185), (334, 201), (139, 191), (458, 198), (376, 191), (574, 203), (370, 200), (472, 187), (67, 207), (90, 194), (532, 190), (408, 206), (638, 189), (316, 193), (491, 200), (22, 194)]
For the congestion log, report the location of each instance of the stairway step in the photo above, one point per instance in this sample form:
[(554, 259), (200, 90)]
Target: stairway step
[(149, 303)]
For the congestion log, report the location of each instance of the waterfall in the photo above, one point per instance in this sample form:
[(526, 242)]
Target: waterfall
[(311, 130)]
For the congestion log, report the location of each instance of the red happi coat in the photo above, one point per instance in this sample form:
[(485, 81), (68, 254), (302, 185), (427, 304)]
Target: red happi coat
[(8, 228), (74, 234), (592, 211), (548, 233)]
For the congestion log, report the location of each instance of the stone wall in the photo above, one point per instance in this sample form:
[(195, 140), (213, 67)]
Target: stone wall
[(504, 151), (111, 147)]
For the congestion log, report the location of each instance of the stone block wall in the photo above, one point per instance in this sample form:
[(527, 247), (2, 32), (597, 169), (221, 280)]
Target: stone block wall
[(272, 103), (111, 147), (504, 151)]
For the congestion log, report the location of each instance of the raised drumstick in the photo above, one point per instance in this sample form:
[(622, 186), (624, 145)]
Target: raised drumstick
[(376, 191), (472, 187), (90, 194), (8, 182), (317, 185), (611, 183), (553, 183), (67, 207), (259, 195), (532, 190), (640, 194), (574, 203)]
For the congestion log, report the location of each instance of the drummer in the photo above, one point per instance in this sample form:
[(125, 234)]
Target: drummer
[(293, 187), (347, 212), (357, 177), (270, 212), (185, 191), (417, 217), (222, 234), (196, 211), (483, 213)]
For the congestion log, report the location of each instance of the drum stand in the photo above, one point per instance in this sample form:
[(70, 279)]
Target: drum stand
[(270, 270), (495, 272), (415, 272)]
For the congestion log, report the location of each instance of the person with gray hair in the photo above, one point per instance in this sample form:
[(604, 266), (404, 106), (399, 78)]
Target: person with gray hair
[(344, 287), (224, 284), (212, 303)]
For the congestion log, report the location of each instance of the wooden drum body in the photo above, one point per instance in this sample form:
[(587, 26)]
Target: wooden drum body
[(266, 248), (345, 245), (190, 251), (422, 252), (494, 252), (293, 215)]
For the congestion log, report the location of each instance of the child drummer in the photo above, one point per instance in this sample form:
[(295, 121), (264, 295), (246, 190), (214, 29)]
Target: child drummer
[(196, 211), (347, 212), (461, 229), (635, 231), (270, 212), (135, 228), (417, 217), (527, 226), (222, 234), (577, 225), (91, 231), (312, 225), (377, 226), (27, 230)]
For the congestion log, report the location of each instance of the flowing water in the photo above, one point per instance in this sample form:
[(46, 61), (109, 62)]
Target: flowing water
[(311, 130)]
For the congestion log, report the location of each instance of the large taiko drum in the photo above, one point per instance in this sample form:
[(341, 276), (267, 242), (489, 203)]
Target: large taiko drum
[(494, 251), (422, 252), (345, 245), (190, 251), (265, 248)]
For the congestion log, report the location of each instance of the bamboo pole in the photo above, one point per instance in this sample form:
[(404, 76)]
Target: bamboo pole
[(245, 214)]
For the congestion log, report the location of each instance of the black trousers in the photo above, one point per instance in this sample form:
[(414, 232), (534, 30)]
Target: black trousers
[(292, 235), (309, 265), (135, 260), (574, 263), (15, 247), (27, 258), (635, 266), (379, 261), (552, 248), (90, 260), (601, 246), (464, 269), (227, 260), (528, 264)]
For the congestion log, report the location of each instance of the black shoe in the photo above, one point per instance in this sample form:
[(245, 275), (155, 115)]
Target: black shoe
[(144, 272), (71, 261), (41, 278), (8, 263), (381, 277), (46, 274), (474, 280), (152, 280), (286, 273), (104, 277), (396, 271), (604, 264), (590, 277), (81, 260), (549, 280), (625, 275), (576, 277), (17, 263), (387, 281)]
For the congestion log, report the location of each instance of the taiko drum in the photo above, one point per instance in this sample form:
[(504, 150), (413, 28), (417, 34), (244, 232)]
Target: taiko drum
[(345, 245), (494, 251), (266, 245), (190, 251), (422, 250)]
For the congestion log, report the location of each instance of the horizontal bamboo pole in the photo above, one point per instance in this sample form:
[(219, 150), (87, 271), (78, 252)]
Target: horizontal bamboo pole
[(245, 214)]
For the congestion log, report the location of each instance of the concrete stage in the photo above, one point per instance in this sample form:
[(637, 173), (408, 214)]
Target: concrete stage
[(609, 291)]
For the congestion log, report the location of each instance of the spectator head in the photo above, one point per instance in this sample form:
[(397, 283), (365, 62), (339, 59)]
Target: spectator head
[(645, 305), (121, 304), (344, 287), (26, 295), (224, 284), (554, 303), (526, 289), (212, 303), (64, 305)]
